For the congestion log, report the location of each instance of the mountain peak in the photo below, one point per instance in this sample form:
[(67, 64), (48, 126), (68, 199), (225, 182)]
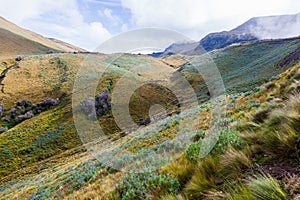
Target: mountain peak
[(256, 28), (271, 27)]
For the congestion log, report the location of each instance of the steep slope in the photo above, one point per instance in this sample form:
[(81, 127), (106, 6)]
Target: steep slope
[(65, 44), (15, 44), (42, 157), (222, 39), (4, 24), (77, 174), (237, 64), (184, 49)]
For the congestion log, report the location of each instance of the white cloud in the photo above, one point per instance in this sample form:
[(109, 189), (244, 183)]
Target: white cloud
[(108, 13), (198, 17), (59, 19)]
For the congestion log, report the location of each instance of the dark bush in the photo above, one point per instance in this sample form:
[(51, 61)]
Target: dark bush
[(1, 109), (101, 104), (27, 115)]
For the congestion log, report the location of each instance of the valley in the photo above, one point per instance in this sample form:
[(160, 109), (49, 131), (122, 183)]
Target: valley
[(223, 124)]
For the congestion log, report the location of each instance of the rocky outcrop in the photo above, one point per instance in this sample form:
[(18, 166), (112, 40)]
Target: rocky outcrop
[(19, 58), (145, 121)]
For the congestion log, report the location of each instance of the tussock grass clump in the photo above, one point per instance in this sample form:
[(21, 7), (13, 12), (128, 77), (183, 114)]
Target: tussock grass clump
[(238, 191), (297, 74), (261, 115), (182, 169), (281, 133), (233, 163), (172, 197), (203, 180), (265, 187), (262, 187)]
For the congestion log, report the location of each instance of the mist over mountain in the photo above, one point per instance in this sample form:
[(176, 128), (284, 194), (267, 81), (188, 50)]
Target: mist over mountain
[(257, 28), (271, 27)]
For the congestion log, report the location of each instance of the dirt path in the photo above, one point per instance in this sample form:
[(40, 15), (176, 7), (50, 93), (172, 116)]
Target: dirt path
[(3, 74)]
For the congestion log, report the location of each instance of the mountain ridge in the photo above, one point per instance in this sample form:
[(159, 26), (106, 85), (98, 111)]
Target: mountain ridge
[(256, 28), (29, 35)]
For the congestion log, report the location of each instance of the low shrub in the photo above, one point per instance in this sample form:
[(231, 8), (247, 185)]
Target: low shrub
[(144, 185), (227, 138)]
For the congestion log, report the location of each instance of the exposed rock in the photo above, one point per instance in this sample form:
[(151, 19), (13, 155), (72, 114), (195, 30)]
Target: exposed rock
[(18, 58), (145, 121), (50, 52)]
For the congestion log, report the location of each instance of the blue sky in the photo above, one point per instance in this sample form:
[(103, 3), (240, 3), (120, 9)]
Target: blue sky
[(88, 23)]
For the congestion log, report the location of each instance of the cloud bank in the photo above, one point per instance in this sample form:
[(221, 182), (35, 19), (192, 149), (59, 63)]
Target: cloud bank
[(60, 19), (88, 23), (196, 18)]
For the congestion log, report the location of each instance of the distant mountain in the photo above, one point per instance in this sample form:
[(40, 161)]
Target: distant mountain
[(28, 42), (258, 28), (271, 27), (181, 48), (222, 39)]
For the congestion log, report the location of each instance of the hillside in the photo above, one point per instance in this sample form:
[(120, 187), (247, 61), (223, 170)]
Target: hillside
[(237, 63), (44, 157), (15, 44), (35, 38)]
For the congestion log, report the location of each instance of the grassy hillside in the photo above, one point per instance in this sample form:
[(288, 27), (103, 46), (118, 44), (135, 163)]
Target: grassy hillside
[(43, 157), (76, 174), (15, 44), (35, 38), (52, 76), (244, 67)]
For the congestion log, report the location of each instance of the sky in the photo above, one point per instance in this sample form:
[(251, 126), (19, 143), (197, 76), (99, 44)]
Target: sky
[(88, 23)]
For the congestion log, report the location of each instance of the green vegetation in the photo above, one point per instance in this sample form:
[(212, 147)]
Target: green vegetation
[(226, 138), (145, 185), (256, 155), (266, 187)]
